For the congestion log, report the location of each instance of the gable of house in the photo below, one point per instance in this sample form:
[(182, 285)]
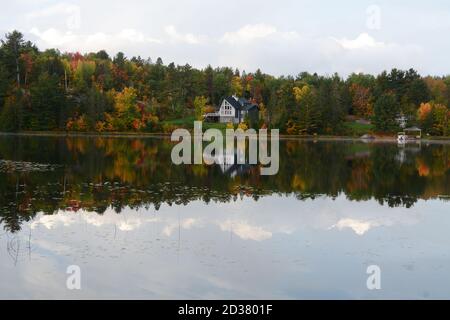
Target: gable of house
[(236, 109), (229, 107)]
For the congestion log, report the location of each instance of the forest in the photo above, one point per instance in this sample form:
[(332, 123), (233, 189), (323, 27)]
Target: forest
[(94, 92)]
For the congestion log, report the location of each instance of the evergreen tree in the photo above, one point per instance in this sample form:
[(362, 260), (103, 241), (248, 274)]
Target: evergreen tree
[(386, 110), (47, 101)]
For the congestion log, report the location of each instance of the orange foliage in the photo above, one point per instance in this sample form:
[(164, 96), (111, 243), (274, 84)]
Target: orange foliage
[(77, 124), (424, 110), (423, 169), (137, 124), (362, 103)]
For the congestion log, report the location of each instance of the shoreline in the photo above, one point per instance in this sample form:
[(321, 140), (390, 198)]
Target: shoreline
[(385, 139)]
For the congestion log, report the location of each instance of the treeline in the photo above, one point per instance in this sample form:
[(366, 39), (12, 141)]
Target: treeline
[(49, 90)]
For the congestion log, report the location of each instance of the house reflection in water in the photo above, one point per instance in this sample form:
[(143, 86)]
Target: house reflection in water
[(232, 164)]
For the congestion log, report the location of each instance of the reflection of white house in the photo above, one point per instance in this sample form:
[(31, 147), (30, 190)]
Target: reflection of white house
[(234, 110), (232, 164)]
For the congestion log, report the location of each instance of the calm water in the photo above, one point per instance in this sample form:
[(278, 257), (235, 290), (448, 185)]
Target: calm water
[(140, 227)]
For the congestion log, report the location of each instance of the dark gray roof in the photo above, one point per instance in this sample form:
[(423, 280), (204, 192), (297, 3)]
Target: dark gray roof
[(243, 101), (250, 106), (234, 103), (241, 104)]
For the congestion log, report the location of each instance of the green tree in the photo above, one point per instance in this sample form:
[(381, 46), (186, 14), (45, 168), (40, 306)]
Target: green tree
[(12, 112), (47, 102), (330, 105), (95, 105), (83, 75), (386, 110), (12, 49), (4, 84)]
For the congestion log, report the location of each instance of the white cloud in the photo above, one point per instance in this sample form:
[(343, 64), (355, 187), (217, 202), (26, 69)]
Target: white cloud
[(54, 37), (69, 12), (360, 227), (69, 41), (135, 36), (185, 224), (245, 223), (60, 8), (246, 231), (363, 41), (365, 54), (278, 39), (249, 33), (66, 219), (189, 38), (52, 221)]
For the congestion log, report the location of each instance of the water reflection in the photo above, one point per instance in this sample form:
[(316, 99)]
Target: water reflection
[(141, 227), (51, 174)]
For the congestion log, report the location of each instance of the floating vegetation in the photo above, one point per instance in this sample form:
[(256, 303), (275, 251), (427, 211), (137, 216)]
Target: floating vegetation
[(22, 166)]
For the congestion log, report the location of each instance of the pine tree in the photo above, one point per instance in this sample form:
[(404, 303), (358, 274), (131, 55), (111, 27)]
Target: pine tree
[(385, 113)]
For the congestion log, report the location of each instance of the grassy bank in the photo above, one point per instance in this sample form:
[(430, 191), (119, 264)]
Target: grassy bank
[(135, 135), (188, 123), (356, 129), (353, 131)]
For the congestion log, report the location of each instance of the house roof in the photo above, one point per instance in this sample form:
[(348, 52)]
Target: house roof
[(234, 103), (241, 104), (250, 106), (243, 101), (413, 129)]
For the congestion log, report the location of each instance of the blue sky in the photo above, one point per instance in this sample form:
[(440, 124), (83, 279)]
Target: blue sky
[(282, 37)]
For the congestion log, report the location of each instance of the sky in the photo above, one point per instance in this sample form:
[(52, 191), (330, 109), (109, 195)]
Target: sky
[(283, 37)]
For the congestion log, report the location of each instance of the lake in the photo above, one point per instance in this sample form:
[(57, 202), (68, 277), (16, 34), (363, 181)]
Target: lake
[(139, 227)]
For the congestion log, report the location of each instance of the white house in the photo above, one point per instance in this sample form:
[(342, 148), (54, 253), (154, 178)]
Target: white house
[(234, 110)]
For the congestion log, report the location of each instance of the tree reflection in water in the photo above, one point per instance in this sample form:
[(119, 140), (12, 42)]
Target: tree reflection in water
[(47, 174)]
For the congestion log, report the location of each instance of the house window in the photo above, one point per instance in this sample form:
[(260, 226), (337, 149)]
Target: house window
[(227, 109)]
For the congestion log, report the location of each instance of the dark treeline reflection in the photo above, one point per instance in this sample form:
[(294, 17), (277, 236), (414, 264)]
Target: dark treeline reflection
[(47, 174)]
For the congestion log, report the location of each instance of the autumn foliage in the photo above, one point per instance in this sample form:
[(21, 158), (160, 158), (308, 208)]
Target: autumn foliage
[(53, 91)]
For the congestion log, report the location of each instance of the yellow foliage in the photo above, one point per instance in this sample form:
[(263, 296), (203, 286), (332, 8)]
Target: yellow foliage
[(109, 122), (298, 183), (126, 100), (301, 93), (100, 126), (243, 126), (200, 107), (262, 112), (78, 124), (236, 85), (441, 119)]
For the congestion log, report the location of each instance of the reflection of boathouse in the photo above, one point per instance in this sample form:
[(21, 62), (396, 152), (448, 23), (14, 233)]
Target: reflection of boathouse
[(405, 152)]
